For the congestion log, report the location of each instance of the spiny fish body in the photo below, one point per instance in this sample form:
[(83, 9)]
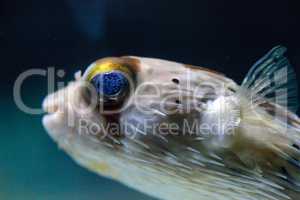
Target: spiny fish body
[(177, 131)]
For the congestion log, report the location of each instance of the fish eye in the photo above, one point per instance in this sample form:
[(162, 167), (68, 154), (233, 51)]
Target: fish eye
[(111, 80), (110, 84)]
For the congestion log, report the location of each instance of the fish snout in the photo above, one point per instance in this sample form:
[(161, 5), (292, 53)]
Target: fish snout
[(52, 103), (71, 98)]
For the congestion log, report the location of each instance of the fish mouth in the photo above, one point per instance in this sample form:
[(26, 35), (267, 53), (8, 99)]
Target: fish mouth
[(49, 106), (52, 117)]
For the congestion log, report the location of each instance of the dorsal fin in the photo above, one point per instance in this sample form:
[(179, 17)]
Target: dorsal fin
[(272, 78)]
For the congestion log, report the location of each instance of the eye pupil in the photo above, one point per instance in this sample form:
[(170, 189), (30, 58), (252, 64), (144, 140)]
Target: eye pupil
[(110, 84)]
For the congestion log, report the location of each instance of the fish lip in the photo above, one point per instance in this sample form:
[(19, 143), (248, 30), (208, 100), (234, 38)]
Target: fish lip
[(54, 102), (50, 112), (50, 105)]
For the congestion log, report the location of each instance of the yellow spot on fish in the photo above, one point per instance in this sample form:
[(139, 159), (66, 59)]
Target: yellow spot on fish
[(104, 67)]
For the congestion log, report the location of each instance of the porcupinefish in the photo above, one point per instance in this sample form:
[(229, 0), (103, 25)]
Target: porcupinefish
[(177, 131)]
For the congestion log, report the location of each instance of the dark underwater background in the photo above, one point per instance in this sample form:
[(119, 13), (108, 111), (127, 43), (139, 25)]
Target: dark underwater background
[(227, 36)]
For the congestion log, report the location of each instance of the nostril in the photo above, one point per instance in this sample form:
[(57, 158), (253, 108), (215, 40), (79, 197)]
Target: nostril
[(175, 80), (177, 101)]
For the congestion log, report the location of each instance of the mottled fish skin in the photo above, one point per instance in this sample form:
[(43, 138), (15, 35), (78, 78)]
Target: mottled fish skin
[(251, 164)]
